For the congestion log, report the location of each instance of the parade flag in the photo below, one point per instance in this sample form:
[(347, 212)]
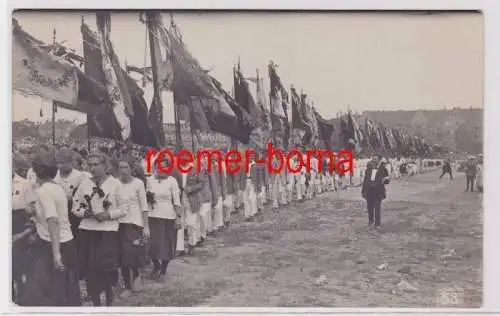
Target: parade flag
[(143, 132), (308, 111), (299, 120), (275, 98), (242, 128), (197, 116), (89, 96), (380, 136), (362, 130), (373, 135), (285, 102), (162, 72), (392, 138), (190, 80), (353, 130), (397, 138), (114, 79), (325, 129), (336, 140), (244, 98), (385, 137), (260, 97), (103, 121), (278, 100), (38, 72)]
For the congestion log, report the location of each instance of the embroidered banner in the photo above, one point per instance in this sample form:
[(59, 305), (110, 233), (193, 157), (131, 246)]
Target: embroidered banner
[(37, 72), (115, 83)]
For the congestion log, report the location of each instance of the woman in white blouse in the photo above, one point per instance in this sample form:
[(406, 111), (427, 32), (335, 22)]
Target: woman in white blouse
[(53, 279), (95, 202), (133, 226), (164, 216)]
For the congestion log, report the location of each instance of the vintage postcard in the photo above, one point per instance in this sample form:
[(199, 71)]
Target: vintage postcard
[(247, 159)]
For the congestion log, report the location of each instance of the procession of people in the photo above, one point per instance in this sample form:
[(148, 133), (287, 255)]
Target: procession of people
[(85, 221), (87, 218)]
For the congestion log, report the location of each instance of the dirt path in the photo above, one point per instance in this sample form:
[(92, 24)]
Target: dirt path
[(321, 253)]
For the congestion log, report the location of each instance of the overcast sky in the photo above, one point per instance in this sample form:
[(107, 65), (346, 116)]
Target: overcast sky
[(367, 61)]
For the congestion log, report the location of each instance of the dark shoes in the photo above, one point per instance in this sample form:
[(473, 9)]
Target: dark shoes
[(161, 277), (155, 274), (190, 250)]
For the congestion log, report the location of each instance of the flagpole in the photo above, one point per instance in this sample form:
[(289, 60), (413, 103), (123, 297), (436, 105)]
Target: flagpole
[(88, 115), (234, 143), (157, 106), (193, 144), (178, 135), (261, 106), (54, 109)]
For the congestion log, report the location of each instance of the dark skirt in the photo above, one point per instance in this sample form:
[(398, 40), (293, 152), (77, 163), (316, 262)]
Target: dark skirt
[(74, 220), (22, 258), (21, 253), (20, 220), (46, 286), (163, 243), (132, 252), (98, 256)]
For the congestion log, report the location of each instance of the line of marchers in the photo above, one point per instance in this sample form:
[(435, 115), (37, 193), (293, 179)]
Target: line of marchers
[(165, 160)]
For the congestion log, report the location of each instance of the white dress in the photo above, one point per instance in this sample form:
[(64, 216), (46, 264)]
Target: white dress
[(249, 196)]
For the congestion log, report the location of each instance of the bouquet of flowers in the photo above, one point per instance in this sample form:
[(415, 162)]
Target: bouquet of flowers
[(87, 206), (150, 197), (97, 190), (106, 203), (141, 241)]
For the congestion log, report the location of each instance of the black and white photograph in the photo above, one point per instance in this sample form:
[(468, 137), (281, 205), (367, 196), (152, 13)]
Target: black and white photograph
[(358, 180)]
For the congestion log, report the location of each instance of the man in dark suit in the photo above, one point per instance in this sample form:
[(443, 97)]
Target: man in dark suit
[(373, 190), (470, 173), (446, 169)]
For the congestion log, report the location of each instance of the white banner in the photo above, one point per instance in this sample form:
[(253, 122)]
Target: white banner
[(36, 72)]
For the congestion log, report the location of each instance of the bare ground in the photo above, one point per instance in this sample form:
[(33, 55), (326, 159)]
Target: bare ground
[(321, 253)]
